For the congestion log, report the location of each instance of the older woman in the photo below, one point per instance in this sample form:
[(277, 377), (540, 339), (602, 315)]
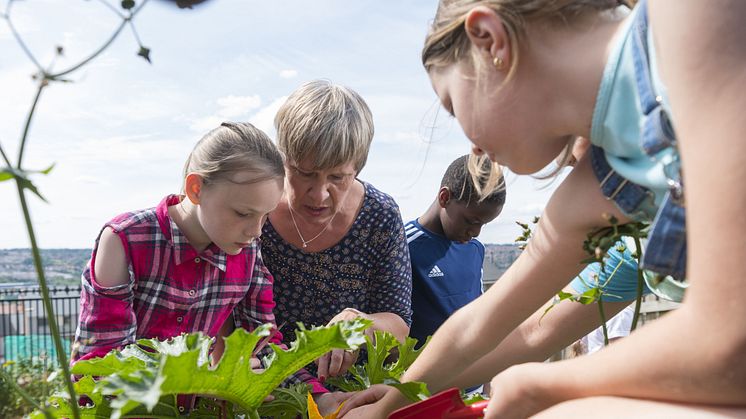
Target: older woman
[(335, 244)]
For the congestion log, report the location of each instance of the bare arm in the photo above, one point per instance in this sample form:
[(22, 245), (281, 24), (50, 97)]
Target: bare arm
[(550, 261), (537, 338), (694, 354), (391, 323), (110, 269), (338, 361)]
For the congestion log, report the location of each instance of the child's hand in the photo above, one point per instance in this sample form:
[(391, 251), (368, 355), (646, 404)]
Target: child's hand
[(517, 393), (328, 403), (364, 403)]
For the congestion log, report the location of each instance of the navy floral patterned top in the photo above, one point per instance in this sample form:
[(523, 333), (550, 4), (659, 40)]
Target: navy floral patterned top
[(368, 269)]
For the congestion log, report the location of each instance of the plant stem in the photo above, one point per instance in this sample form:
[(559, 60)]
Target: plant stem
[(94, 55), (42, 84), (603, 320), (112, 8), (103, 47), (638, 301), (51, 319), (18, 38), (5, 157)]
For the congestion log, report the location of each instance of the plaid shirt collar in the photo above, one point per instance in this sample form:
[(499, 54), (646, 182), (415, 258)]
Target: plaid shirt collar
[(182, 250)]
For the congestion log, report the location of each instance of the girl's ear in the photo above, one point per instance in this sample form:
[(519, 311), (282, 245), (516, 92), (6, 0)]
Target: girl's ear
[(486, 31), (193, 187), (444, 195)]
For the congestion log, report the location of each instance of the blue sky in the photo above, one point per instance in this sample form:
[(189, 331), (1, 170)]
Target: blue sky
[(119, 133)]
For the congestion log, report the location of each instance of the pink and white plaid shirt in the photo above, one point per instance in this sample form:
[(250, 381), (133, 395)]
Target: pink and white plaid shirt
[(173, 289)]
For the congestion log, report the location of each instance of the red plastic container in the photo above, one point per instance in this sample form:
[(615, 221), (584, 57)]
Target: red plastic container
[(445, 405)]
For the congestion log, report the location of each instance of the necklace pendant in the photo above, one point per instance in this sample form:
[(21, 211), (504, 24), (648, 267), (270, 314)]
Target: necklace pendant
[(305, 245)]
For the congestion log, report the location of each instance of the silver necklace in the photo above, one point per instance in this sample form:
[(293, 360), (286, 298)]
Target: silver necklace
[(305, 242)]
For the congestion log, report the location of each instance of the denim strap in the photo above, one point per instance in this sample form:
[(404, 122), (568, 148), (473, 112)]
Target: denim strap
[(666, 249)]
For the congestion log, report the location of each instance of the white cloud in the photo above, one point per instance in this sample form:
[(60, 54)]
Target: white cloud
[(229, 108), (265, 118), (202, 125), (121, 131), (288, 74), (234, 106)]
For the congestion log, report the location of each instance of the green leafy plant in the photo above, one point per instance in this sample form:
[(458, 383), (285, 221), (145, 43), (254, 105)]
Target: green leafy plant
[(144, 379), (597, 245), (379, 369), (286, 402)]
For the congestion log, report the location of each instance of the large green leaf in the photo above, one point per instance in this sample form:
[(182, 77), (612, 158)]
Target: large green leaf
[(146, 376)]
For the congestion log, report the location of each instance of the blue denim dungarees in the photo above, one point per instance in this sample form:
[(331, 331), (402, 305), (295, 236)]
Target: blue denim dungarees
[(666, 248)]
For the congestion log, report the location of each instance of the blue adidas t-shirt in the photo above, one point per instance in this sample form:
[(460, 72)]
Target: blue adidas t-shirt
[(446, 275)]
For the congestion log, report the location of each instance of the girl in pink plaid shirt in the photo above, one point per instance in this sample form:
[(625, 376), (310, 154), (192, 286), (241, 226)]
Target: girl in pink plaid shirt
[(193, 263)]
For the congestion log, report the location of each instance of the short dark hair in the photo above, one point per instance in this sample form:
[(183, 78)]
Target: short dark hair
[(461, 184)]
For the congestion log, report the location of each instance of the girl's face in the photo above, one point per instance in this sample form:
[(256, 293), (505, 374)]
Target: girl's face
[(502, 119), (318, 194), (232, 214)]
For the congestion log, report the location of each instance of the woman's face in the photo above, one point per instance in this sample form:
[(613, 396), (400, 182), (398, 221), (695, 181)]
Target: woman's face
[(316, 195), (502, 119)]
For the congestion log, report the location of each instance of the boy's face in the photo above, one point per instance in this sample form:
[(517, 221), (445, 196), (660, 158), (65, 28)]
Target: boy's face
[(462, 223)]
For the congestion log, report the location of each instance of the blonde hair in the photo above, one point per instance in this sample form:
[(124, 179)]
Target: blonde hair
[(328, 122), (447, 43), (231, 148), (486, 176)]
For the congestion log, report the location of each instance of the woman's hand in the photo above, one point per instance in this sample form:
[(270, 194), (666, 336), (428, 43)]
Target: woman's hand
[(338, 361), (256, 367), (335, 363), (365, 403)]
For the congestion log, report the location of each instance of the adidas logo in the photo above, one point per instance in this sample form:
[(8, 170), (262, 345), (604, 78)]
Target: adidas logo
[(435, 272)]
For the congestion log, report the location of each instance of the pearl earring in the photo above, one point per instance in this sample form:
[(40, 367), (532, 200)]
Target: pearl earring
[(498, 63)]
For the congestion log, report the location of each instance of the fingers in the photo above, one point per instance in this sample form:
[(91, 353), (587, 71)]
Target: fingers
[(350, 357), (340, 361), (323, 363), (256, 365), (362, 398), (329, 402)]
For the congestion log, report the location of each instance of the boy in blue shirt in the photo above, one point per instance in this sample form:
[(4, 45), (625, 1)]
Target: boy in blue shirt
[(446, 257)]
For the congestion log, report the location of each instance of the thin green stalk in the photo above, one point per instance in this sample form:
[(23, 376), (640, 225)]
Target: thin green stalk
[(112, 8), (18, 38), (103, 47), (42, 84), (603, 320), (5, 157), (95, 54), (638, 301), (51, 319)]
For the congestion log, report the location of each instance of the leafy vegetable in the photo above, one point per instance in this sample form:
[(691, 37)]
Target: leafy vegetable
[(377, 369), (148, 375)]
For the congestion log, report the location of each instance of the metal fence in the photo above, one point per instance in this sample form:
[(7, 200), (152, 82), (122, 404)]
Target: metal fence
[(24, 328)]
